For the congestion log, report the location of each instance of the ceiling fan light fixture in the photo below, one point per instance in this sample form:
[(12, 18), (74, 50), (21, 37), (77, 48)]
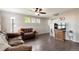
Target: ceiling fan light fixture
[(37, 13)]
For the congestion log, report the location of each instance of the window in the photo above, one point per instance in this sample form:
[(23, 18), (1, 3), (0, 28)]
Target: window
[(38, 20), (27, 20), (31, 20), (35, 20)]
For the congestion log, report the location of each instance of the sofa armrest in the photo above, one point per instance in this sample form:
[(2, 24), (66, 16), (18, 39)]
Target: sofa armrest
[(22, 33), (34, 31), (12, 35)]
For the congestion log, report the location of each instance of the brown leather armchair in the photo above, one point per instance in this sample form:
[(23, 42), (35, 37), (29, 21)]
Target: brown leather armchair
[(27, 33)]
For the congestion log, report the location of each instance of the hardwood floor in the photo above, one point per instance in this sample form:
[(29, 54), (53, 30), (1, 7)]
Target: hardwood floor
[(47, 43)]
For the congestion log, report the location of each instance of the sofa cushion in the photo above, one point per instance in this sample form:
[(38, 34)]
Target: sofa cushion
[(30, 30), (30, 33), (16, 41), (26, 30), (12, 35)]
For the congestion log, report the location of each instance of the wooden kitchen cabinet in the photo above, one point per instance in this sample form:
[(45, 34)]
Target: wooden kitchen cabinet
[(59, 34)]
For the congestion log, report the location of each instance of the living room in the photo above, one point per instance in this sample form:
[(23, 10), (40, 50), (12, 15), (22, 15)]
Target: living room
[(13, 20)]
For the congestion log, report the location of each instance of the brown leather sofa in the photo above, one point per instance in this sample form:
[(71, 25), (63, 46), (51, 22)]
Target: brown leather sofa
[(15, 40), (27, 33)]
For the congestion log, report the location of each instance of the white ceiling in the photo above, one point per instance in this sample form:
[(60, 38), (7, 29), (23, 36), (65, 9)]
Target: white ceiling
[(30, 11)]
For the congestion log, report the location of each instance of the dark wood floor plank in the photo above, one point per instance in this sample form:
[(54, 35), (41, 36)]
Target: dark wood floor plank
[(47, 43)]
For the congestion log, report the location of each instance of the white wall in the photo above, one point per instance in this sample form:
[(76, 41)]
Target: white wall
[(72, 23), (0, 21), (19, 21)]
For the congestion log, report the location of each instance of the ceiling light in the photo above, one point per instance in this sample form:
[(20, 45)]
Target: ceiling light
[(37, 13)]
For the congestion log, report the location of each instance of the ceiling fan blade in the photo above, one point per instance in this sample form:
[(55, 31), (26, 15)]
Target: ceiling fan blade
[(36, 9), (40, 9), (43, 12)]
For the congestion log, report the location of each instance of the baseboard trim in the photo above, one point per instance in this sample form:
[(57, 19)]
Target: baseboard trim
[(72, 40), (43, 34)]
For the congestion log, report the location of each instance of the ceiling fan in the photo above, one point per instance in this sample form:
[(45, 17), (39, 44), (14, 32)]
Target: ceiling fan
[(39, 11)]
